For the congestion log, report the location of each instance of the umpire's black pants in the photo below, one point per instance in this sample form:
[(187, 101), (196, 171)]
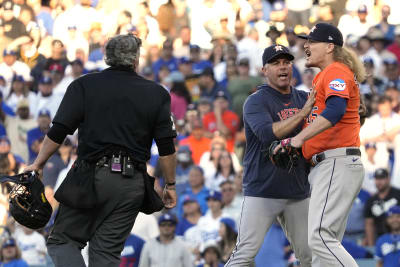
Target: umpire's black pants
[(105, 227)]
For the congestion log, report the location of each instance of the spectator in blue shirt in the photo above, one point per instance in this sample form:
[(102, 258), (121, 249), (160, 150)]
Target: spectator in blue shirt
[(130, 255), (197, 190), (166, 59), (191, 215), (388, 245), (10, 255), (198, 64), (209, 87), (34, 135)]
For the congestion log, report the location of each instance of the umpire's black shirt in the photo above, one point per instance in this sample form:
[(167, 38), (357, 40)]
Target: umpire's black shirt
[(116, 107)]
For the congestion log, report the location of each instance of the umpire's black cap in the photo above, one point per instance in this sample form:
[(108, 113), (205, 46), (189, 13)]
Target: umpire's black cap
[(274, 51), (324, 32)]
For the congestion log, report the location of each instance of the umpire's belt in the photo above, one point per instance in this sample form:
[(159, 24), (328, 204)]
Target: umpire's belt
[(337, 152)]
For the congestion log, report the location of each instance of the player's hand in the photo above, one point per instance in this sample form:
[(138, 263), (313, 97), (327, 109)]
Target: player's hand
[(309, 104), (36, 168), (169, 197)]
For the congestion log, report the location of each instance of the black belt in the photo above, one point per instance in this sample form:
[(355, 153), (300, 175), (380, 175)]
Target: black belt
[(349, 152)]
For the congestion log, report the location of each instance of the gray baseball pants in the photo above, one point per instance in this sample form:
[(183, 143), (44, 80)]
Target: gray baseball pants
[(257, 216), (335, 183)]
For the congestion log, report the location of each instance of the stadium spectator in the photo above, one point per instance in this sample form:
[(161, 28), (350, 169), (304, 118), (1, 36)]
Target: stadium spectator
[(191, 215), (376, 206), (32, 245), (11, 255), (228, 235), (211, 255), (232, 200), (36, 135), (165, 250)]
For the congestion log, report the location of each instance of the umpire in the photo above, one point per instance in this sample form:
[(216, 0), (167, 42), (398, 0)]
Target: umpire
[(118, 114)]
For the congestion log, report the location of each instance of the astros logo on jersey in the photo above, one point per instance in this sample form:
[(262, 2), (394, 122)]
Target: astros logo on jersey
[(337, 85)]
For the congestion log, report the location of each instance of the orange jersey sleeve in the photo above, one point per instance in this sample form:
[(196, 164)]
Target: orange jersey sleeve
[(335, 80)]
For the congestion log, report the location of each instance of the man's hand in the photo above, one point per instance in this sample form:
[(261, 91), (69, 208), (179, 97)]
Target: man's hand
[(169, 197), (35, 167), (309, 104)]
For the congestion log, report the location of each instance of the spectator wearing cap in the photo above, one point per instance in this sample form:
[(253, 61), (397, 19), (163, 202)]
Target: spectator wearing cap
[(393, 92), (75, 40), (197, 191), (56, 72), (19, 90), (32, 245), (77, 69), (380, 203), (387, 245), (166, 250), (372, 85), (17, 128), (198, 64), (196, 141), (222, 120), (191, 215), (11, 67), (211, 255), (391, 72), (395, 46), (166, 59), (46, 98), (208, 85), (379, 42), (34, 135), (228, 234), (56, 163), (242, 85), (13, 27), (273, 33), (11, 255), (208, 225), (231, 199), (307, 78)]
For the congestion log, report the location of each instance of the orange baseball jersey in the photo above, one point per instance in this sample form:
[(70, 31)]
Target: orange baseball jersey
[(335, 80)]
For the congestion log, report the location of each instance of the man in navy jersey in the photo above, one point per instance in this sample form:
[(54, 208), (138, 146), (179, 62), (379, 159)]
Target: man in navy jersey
[(275, 111)]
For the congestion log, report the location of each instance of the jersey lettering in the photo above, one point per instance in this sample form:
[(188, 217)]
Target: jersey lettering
[(287, 113), (313, 115)]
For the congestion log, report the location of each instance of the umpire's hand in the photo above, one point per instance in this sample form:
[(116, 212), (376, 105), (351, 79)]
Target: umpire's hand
[(169, 196)]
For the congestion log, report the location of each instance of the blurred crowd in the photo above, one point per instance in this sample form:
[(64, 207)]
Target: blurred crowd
[(207, 54)]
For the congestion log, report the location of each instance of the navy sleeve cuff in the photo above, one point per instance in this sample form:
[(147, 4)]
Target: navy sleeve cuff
[(335, 109)]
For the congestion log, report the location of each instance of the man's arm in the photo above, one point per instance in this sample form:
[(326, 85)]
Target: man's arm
[(283, 128), (369, 231), (168, 167), (48, 149)]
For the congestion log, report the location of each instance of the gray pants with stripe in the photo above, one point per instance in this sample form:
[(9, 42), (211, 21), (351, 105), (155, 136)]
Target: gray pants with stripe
[(257, 216), (335, 183)]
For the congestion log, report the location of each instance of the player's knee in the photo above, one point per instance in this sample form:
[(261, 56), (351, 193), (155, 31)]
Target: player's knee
[(314, 241)]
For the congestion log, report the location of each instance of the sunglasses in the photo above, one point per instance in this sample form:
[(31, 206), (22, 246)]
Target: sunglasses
[(167, 224)]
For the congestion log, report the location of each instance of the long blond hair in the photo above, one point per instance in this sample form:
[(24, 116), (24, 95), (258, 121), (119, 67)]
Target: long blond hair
[(350, 59)]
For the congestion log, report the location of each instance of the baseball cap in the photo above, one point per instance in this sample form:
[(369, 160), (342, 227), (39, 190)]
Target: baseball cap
[(167, 218), (5, 139), (369, 61), (393, 210), (44, 112), (381, 173), (208, 71), (77, 62), (370, 145), (188, 199), (184, 154), (362, 9), (7, 52), (18, 78), (194, 47), (244, 62), (324, 32), (9, 243), (45, 80), (222, 94), (214, 195), (185, 60), (230, 223), (390, 61), (274, 51), (272, 29)]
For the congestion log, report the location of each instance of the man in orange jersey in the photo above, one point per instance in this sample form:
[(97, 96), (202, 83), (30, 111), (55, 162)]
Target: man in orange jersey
[(330, 141)]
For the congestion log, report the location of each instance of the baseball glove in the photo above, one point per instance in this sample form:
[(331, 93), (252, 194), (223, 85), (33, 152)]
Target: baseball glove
[(28, 204), (286, 157)]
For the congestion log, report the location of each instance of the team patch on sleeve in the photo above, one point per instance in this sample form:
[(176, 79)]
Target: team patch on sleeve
[(337, 85)]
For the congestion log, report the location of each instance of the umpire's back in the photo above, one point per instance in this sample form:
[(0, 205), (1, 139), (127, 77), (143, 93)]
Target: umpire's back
[(117, 107)]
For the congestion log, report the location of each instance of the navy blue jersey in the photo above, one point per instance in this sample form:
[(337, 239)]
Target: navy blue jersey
[(261, 177)]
